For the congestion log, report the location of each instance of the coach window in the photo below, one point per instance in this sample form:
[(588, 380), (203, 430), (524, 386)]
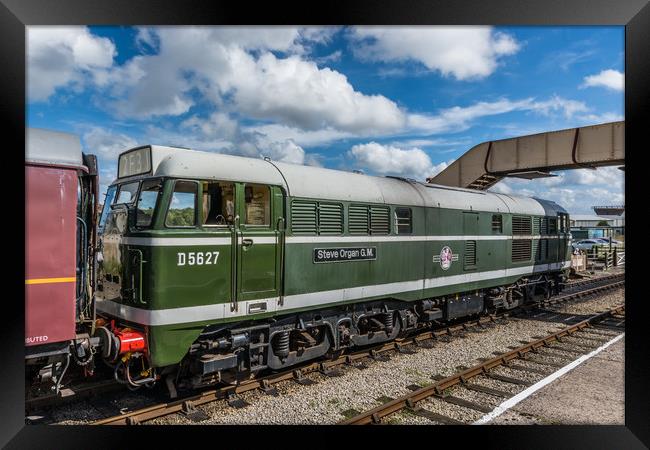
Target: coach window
[(403, 221), (218, 203), (147, 202), (497, 224), (257, 209), (182, 207), (552, 225)]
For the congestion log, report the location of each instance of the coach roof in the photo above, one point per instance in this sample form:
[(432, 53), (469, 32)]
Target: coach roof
[(327, 184), (52, 147)]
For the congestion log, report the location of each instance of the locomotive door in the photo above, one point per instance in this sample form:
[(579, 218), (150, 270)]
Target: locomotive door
[(258, 246)]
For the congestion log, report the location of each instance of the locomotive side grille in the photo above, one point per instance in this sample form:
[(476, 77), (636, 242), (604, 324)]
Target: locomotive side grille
[(358, 219), (521, 225), (470, 254), (303, 217), (544, 226), (537, 224), (330, 218), (537, 250), (521, 249), (379, 220)]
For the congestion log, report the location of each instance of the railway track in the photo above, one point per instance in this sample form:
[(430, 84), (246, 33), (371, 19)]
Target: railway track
[(188, 405), (592, 281), (412, 403)]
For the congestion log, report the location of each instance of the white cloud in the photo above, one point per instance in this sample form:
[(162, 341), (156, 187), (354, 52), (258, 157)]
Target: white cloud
[(297, 93), (389, 160), (306, 138), (460, 118), (286, 151), (221, 133), (576, 190), (605, 176), (558, 104), (218, 125), (448, 120), (610, 79), (565, 59), (428, 142), (464, 52), (64, 56), (332, 57), (233, 68), (107, 144), (602, 118)]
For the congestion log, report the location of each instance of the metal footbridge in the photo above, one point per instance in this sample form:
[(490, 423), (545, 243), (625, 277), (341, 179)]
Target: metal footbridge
[(536, 155)]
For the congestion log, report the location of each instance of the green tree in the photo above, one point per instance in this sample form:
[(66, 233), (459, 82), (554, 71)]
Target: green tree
[(180, 217)]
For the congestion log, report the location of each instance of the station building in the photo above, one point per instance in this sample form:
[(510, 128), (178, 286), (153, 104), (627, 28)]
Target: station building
[(608, 221)]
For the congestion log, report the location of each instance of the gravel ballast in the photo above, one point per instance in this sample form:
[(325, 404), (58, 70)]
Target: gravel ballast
[(326, 401)]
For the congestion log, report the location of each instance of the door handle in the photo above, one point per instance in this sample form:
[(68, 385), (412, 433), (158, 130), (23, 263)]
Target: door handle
[(247, 242)]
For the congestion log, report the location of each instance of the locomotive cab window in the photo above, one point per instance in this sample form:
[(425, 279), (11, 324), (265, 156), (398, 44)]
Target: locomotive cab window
[(257, 210), (127, 192), (147, 202), (218, 203), (403, 221), (106, 207), (182, 207)]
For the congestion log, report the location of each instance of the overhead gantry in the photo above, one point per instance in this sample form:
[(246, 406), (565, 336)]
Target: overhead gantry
[(536, 155)]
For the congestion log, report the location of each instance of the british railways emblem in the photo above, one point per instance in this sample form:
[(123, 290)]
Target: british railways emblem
[(445, 258)]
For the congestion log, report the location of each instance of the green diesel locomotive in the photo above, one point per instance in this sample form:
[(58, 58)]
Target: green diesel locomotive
[(213, 267)]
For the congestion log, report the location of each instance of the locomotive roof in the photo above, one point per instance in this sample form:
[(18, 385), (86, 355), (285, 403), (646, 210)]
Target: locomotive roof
[(327, 184), (52, 147)]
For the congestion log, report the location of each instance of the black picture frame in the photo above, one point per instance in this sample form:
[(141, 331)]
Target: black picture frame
[(15, 15)]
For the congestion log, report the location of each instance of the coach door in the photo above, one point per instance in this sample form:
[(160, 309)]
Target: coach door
[(258, 247)]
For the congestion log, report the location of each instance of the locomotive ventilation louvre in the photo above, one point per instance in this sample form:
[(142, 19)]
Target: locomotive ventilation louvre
[(379, 220), (303, 217), (537, 225), (521, 249), (358, 219), (330, 218), (537, 250), (316, 218), (470, 254), (521, 225)]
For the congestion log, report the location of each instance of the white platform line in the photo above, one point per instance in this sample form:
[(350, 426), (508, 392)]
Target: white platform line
[(506, 405)]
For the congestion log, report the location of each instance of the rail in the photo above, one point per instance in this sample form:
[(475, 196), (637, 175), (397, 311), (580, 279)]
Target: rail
[(409, 401), (188, 405)]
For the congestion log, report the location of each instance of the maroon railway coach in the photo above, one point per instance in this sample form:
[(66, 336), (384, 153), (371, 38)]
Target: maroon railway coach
[(60, 222)]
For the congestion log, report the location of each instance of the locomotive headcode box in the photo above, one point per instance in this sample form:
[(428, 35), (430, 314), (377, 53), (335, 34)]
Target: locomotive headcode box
[(325, 255)]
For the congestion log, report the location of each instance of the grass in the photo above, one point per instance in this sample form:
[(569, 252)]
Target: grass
[(350, 413)]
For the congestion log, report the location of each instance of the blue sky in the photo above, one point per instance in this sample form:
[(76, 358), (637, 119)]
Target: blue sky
[(387, 100)]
